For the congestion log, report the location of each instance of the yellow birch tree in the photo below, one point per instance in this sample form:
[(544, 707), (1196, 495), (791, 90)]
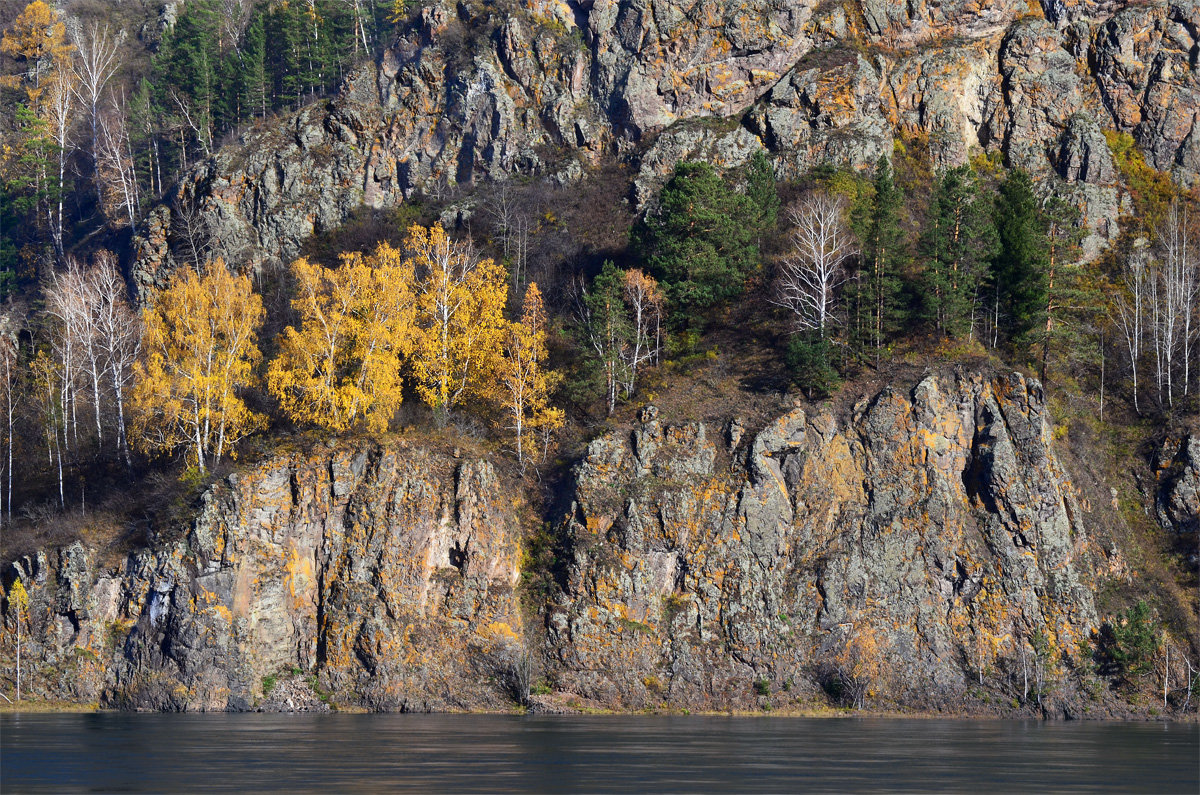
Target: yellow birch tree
[(201, 349), (342, 365), (38, 36), (460, 316), (524, 384), (18, 603)]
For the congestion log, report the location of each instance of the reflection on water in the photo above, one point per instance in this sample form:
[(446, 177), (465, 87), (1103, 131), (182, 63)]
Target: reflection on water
[(471, 753)]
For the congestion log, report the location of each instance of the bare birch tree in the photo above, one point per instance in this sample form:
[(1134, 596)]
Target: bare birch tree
[(114, 167), (1129, 312), (8, 372), (1174, 293), (119, 337), (71, 300), (810, 276), (59, 104), (97, 60), (65, 308)]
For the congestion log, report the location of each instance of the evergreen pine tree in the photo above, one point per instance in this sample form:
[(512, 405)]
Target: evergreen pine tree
[(700, 242), (256, 90), (1071, 296), (1021, 264), (763, 191), (875, 294), (956, 247)]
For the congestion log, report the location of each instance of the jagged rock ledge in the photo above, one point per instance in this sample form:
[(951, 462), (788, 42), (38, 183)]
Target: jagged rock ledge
[(909, 547)]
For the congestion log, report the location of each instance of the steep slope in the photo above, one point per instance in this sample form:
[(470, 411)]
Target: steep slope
[(390, 573), (918, 547), (923, 549), (481, 91)]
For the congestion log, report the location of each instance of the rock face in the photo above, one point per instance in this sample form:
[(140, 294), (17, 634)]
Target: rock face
[(1178, 498), (387, 575), (478, 92), (929, 536), (923, 548)]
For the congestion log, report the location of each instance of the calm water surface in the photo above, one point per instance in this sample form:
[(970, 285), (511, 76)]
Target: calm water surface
[(481, 754)]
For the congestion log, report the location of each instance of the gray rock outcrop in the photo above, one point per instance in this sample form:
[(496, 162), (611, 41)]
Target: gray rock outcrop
[(474, 93), (924, 542)]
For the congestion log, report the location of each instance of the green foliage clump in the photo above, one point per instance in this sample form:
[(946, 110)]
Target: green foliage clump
[(1151, 189), (1021, 265), (810, 359), (877, 311), (604, 330), (763, 191), (203, 82), (701, 241), (1134, 641), (956, 248)]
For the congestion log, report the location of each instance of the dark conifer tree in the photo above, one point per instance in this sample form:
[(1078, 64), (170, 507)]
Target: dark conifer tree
[(956, 247), (877, 287), (1071, 296), (1021, 264), (700, 242), (762, 190)]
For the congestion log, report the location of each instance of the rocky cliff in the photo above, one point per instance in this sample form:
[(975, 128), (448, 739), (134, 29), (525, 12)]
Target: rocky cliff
[(386, 575), (921, 548), (922, 544), (1177, 503), (475, 91)]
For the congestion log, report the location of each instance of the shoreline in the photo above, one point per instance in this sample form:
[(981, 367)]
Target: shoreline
[(831, 713)]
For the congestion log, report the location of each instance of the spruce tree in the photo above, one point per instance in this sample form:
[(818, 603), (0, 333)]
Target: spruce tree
[(762, 190), (1021, 264), (701, 240), (876, 290), (956, 247), (256, 91), (1071, 296)]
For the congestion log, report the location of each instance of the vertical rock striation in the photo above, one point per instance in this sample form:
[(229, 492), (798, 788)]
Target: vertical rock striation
[(388, 574), (472, 93), (928, 537)]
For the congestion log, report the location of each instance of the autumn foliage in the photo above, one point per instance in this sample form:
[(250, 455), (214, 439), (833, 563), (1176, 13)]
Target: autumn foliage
[(460, 316), (525, 383), (433, 314), (342, 364), (201, 350)]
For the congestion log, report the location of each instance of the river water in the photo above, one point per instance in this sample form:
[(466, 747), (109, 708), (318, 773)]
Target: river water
[(117, 752)]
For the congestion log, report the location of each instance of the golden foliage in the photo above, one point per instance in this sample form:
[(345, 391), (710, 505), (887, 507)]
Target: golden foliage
[(35, 36), (859, 663), (18, 599), (523, 383), (342, 365), (460, 314), (201, 348)]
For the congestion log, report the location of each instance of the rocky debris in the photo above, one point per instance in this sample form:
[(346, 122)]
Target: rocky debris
[(929, 535), (292, 693), (484, 92), (388, 574), (1178, 496)]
